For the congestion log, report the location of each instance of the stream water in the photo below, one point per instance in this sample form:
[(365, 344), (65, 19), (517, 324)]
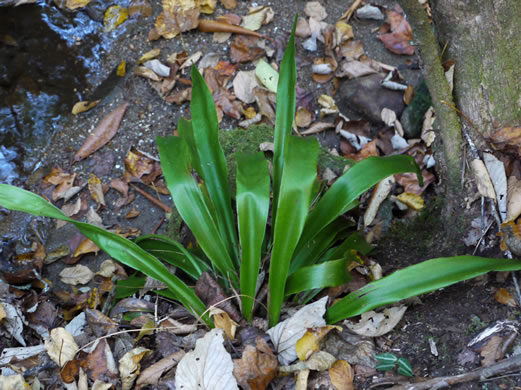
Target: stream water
[(48, 57)]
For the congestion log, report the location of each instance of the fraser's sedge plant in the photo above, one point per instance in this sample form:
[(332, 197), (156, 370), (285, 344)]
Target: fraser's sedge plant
[(307, 245)]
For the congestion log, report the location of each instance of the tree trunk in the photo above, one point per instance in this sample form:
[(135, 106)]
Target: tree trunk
[(482, 36)]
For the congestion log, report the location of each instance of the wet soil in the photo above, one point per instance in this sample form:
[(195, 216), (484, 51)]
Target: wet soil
[(450, 317)]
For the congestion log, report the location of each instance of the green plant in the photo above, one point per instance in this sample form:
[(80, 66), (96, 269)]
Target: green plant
[(308, 245), (389, 361)]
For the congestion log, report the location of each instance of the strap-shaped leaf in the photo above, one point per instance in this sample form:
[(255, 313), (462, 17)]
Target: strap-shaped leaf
[(186, 131), (253, 200), (212, 161), (417, 279), (190, 202), (348, 187), (286, 101), (173, 253), (356, 241), (329, 274), (117, 247), (299, 174)]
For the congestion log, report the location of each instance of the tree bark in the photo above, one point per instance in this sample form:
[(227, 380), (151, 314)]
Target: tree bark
[(482, 36)]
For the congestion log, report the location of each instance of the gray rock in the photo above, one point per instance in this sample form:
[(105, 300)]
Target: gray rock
[(367, 97)]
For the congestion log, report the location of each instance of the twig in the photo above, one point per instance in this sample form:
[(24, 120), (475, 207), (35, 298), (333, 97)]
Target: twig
[(351, 10), (157, 202), (154, 230), (484, 373)]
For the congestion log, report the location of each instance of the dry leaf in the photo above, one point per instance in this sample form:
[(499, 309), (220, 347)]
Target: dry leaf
[(245, 49), (398, 40), (352, 50), (61, 346), (74, 4), (223, 321), (79, 274), (343, 32), (412, 200), (286, 333), (507, 139), (244, 84), (129, 366), (229, 4), (380, 193), (149, 55), (256, 17), (354, 69), (96, 189), (496, 171), (373, 324), (310, 342), (13, 322), (208, 367), (178, 16), (319, 361), (409, 181), (152, 374), (480, 173), (315, 10), (133, 213), (341, 375), (83, 106), (318, 127), (303, 117), (257, 367), (514, 198), (302, 30), (102, 134), (503, 296)]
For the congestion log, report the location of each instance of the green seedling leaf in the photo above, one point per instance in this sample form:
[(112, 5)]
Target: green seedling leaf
[(212, 161), (267, 75), (286, 102), (385, 366), (386, 358), (191, 204), (404, 367), (415, 280), (329, 274), (298, 177), (117, 247), (253, 200)]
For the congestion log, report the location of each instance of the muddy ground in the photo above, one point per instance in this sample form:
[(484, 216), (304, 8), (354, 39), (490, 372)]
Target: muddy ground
[(450, 318)]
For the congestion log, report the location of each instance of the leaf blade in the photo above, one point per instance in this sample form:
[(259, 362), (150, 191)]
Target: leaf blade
[(329, 274)]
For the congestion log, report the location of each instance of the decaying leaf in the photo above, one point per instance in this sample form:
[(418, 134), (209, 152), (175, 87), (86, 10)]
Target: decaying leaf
[(129, 366), (496, 171), (286, 333), (303, 117), (373, 324), (257, 367), (243, 86), (114, 16), (208, 367), (507, 139), (96, 189), (318, 127), (61, 346), (343, 32), (245, 49), (178, 16), (352, 50), (267, 75), (83, 106), (102, 134), (79, 274), (223, 321), (341, 375), (514, 198)]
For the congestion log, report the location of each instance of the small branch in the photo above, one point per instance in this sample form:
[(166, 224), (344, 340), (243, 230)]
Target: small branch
[(450, 127), (503, 367), (157, 202)]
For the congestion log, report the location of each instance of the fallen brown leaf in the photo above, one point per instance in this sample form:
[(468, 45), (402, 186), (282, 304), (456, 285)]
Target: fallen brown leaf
[(245, 49), (102, 134), (400, 35), (341, 375), (178, 16), (257, 367), (229, 4), (508, 140), (409, 181), (152, 374)]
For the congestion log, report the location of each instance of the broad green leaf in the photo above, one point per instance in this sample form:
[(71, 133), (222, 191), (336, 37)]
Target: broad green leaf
[(117, 247), (348, 187), (386, 358), (173, 253), (212, 161), (329, 274), (286, 101), (417, 279), (253, 201), (190, 202), (313, 249), (129, 286), (404, 367), (186, 131), (299, 174)]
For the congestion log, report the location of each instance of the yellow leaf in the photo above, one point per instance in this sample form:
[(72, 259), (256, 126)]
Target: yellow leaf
[(114, 16), (73, 4), (414, 201), (86, 246), (122, 69), (149, 55), (96, 190), (146, 330), (341, 375), (306, 345), (83, 106), (223, 321)]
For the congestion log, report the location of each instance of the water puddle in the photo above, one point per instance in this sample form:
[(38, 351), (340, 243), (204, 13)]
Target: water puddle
[(48, 56)]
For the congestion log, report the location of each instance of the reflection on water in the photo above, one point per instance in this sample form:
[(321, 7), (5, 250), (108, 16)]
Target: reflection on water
[(48, 56)]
